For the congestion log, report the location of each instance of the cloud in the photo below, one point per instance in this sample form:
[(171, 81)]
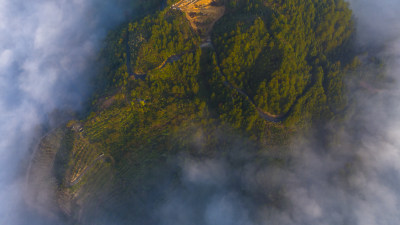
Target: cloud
[(347, 173), (47, 51), (377, 21)]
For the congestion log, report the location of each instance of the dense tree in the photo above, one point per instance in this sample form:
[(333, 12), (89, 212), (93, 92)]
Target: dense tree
[(275, 66), (272, 50)]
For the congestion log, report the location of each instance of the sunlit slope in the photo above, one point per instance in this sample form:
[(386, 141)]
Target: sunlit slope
[(289, 58), (271, 70)]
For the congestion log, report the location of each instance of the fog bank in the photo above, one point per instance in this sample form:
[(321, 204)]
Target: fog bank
[(47, 54), (348, 174), (47, 51)]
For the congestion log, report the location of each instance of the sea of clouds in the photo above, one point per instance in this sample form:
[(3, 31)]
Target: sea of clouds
[(47, 54)]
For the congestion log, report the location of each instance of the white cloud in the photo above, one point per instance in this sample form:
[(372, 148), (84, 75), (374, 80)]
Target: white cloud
[(45, 47)]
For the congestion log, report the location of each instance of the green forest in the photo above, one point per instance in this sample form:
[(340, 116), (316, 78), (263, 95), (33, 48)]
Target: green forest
[(274, 67)]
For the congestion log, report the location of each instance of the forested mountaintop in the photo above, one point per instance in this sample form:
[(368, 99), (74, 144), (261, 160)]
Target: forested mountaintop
[(176, 83)]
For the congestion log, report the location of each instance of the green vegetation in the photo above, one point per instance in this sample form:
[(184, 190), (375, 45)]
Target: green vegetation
[(287, 56), (284, 60), (156, 38)]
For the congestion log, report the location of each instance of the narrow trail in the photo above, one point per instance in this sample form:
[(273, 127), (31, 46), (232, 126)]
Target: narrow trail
[(143, 76), (207, 44), (265, 115)]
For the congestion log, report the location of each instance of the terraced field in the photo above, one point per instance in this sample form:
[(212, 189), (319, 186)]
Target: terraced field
[(41, 184), (63, 167)]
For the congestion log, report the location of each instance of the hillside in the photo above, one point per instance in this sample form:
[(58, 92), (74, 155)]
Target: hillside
[(272, 69)]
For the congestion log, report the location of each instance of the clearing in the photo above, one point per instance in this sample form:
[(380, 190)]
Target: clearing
[(202, 14)]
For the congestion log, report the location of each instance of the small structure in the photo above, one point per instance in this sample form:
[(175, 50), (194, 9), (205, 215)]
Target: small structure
[(77, 127)]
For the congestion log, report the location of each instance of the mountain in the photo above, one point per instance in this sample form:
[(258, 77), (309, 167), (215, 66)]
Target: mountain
[(197, 78)]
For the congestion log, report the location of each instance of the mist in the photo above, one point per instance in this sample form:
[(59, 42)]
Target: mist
[(342, 173), (47, 56), (48, 53)]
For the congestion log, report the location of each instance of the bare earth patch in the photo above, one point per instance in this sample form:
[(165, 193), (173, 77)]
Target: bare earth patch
[(202, 14)]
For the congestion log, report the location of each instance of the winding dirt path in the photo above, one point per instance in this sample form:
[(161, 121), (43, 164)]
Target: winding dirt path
[(143, 76), (207, 44), (265, 115)]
